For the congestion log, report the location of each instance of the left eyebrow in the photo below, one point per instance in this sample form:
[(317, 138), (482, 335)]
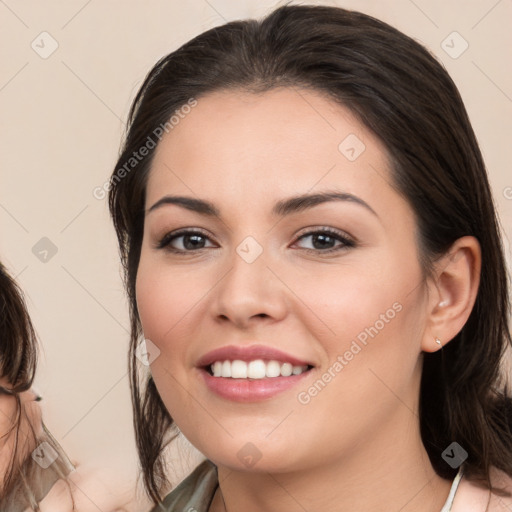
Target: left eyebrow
[(281, 208), (306, 201)]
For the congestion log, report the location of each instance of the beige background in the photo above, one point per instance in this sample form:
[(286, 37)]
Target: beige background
[(61, 123)]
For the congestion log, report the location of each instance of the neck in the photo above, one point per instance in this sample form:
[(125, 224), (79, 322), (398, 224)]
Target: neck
[(400, 477)]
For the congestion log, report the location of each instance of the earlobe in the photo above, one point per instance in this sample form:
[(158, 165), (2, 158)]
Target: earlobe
[(452, 291)]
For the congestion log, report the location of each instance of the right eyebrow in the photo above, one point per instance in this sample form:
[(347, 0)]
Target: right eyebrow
[(190, 203)]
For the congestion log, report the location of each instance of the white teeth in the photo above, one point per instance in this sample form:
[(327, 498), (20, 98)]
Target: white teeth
[(225, 370), (257, 369), (273, 369), (286, 369), (238, 370), (297, 370), (217, 369)]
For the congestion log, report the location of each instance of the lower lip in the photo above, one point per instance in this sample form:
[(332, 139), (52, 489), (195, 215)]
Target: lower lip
[(247, 390)]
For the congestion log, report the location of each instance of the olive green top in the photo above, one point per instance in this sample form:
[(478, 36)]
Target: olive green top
[(195, 493)]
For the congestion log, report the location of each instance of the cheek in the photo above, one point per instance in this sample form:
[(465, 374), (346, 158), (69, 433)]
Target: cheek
[(162, 300), (363, 302), (370, 333), (377, 343), (372, 358), (170, 303)]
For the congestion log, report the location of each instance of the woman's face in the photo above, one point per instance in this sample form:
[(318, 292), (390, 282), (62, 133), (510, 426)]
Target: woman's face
[(262, 280)]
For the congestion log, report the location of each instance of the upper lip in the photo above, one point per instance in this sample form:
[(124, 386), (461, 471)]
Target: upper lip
[(249, 353)]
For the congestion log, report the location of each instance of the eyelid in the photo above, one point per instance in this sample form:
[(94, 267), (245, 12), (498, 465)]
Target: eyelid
[(164, 242), (311, 230), (346, 240)]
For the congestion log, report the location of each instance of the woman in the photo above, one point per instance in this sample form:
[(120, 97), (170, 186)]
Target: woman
[(313, 261), (35, 472)]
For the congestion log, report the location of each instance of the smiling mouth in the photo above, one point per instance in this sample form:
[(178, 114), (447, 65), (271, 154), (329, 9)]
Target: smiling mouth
[(255, 369)]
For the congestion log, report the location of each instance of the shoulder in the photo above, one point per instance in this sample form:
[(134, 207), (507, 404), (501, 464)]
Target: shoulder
[(111, 488), (471, 497), (503, 481), (195, 492), (91, 489)]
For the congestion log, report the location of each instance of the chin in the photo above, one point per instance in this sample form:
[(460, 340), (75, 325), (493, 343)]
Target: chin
[(252, 454)]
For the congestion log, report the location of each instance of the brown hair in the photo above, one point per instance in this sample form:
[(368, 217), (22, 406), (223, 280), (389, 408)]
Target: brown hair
[(398, 90), (18, 358)]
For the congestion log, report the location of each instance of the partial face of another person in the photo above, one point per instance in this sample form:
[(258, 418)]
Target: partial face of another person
[(30, 425), (330, 290)]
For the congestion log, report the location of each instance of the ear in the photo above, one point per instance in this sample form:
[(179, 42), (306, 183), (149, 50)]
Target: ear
[(452, 292)]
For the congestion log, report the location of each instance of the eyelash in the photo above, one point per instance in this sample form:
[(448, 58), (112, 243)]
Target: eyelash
[(347, 242)]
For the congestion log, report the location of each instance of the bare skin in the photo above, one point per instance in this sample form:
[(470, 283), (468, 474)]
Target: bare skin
[(355, 444), (31, 416), (92, 488)]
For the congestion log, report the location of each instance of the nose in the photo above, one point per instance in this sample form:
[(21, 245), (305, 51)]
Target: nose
[(248, 292)]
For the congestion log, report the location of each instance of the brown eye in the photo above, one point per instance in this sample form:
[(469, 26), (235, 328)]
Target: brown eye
[(326, 240), (184, 241)]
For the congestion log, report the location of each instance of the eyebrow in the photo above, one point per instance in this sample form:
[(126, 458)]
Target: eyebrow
[(282, 208)]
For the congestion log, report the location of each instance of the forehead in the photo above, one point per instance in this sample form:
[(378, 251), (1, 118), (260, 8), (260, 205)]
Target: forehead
[(242, 147), (288, 122)]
